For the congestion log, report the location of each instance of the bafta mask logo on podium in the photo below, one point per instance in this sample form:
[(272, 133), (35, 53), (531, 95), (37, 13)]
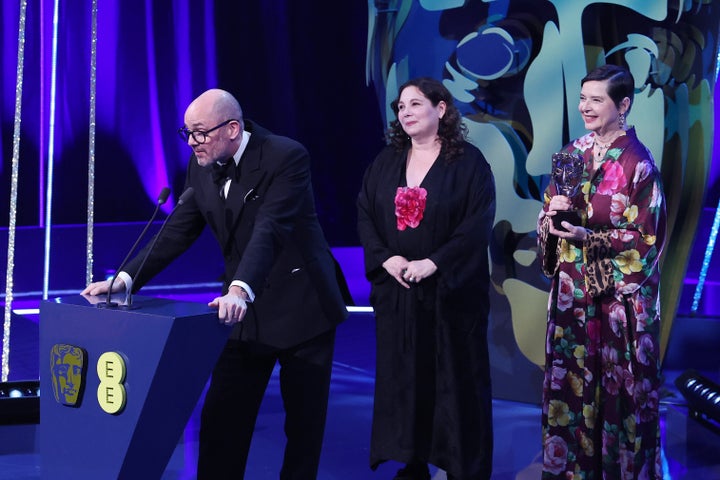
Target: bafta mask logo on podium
[(68, 371)]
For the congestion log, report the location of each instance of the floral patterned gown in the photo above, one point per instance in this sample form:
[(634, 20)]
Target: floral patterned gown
[(602, 369)]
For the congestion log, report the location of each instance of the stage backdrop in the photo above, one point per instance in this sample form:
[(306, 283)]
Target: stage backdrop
[(296, 68), (514, 68), (325, 74)]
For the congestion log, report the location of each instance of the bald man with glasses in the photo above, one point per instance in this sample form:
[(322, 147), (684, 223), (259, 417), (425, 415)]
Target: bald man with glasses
[(283, 292)]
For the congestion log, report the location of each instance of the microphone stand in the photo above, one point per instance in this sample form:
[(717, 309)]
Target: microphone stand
[(162, 198), (183, 198)]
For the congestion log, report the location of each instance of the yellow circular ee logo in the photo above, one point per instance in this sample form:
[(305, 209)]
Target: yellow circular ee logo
[(111, 391)]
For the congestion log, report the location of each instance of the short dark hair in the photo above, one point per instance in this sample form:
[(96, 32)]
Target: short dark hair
[(621, 83), (452, 131)]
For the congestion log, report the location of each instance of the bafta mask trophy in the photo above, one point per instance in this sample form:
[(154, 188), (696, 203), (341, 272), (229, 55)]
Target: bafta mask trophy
[(567, 170)]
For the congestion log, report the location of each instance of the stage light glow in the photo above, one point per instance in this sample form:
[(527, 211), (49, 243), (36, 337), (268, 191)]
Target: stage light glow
[(702, 396), (51, 150), (706, 260), (19, 402)]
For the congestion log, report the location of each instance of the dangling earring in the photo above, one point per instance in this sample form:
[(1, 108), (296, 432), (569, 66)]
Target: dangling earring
[(621, 121)]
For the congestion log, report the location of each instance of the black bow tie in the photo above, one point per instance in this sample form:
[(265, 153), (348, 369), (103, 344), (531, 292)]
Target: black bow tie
[(222, 172)]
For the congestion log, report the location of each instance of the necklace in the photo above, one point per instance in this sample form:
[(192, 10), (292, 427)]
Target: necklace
[(601, 149)]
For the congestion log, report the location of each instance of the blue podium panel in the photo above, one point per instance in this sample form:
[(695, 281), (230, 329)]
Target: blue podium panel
[(119, 385)]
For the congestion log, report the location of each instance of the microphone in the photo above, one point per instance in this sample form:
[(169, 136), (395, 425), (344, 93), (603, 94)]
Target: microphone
[(186, 195), (162, 198)]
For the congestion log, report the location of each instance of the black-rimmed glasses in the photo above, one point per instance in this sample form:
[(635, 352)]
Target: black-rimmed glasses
[(200, 136)]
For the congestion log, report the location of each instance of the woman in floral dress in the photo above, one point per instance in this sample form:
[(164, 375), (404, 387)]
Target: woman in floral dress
[(425, 213), (602, 368)]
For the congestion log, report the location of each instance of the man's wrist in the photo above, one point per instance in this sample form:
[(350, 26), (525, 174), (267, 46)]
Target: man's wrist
[(126, 280), (246, 288), (240, 292)]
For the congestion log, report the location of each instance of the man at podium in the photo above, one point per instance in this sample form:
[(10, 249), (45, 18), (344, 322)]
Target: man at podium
[(282, 288)]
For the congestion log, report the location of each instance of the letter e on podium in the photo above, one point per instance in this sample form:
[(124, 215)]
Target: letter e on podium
[(111, 392)]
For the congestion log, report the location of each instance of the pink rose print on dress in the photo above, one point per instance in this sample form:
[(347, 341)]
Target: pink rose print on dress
[(621, 235), (556, 451), (641, 313), (656, 198), (409, 206), (642, 170), (584, 142), (566, 291), (613, 179), (579, 315), (625, 288), (618, 205)]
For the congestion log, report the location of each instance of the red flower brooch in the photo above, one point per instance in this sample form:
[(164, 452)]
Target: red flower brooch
[(409, 206)]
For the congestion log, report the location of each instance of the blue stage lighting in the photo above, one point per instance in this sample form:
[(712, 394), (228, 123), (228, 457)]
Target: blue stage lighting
[(19, 402), (703, 397)]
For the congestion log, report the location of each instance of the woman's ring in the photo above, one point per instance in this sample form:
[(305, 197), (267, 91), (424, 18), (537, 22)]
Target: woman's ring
[(411, 279)]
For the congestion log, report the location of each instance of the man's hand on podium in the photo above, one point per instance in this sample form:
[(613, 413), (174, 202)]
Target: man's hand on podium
[(100, 288), (231, 307)]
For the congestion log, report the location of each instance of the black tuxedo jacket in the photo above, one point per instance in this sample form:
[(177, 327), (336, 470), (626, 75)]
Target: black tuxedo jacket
[(270, 237)]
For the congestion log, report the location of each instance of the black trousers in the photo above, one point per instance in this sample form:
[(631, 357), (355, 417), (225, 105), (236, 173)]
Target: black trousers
[(233, 400)]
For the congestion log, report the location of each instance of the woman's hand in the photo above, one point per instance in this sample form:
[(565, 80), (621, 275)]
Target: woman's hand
[(559, 202), (571, 232), (396, 266), (406, 272), (418, 270)]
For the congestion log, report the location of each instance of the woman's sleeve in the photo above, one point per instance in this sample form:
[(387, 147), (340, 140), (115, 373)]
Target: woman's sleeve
[(623, 259), (374, 246), (465, 250), (548, 244)]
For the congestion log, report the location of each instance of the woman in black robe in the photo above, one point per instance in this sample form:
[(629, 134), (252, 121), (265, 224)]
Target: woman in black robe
[(425, 213)]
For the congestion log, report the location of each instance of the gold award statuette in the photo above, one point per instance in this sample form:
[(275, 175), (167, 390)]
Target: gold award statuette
[(567, 170)]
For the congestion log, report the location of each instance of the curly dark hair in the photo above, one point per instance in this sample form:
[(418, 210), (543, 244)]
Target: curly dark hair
[(451, 130)]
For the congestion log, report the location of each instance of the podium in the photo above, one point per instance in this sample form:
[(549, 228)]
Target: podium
[(119, 385)]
